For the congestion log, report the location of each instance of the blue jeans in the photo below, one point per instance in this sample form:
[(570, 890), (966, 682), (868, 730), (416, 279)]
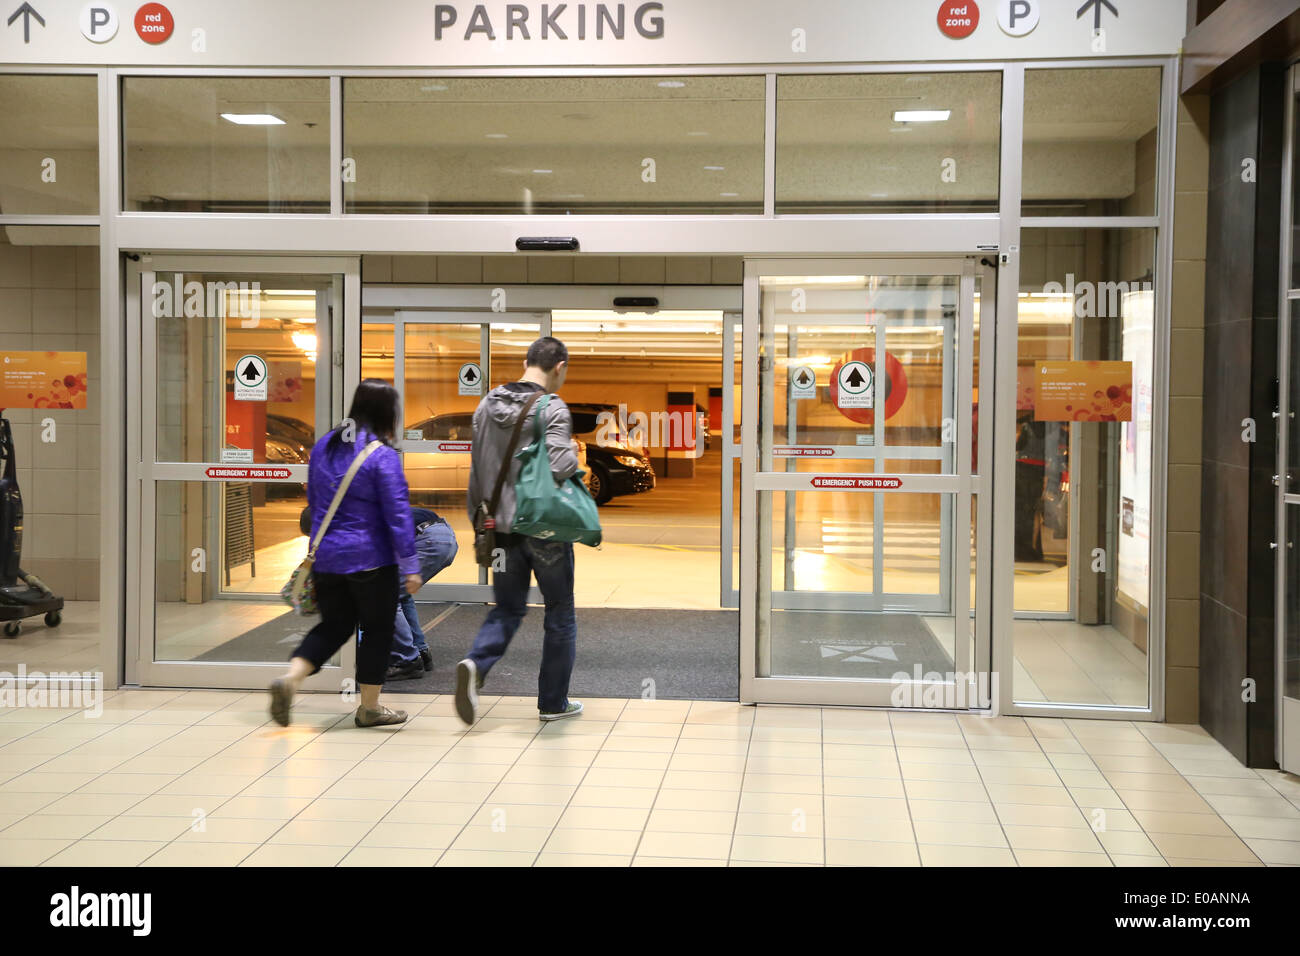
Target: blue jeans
[(552, 562), (436, 546)]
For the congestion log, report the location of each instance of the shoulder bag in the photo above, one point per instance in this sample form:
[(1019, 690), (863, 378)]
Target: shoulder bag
[(299, 592), (485, 522), (549, 509)]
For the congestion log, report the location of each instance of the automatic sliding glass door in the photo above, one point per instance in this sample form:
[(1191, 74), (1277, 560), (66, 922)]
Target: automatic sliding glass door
[(864, 505)]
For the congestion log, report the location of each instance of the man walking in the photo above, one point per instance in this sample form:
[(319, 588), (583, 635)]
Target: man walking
[(551, 561)]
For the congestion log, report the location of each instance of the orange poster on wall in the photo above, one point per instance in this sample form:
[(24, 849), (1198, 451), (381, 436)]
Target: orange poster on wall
[(1084, 392), (42, 379)]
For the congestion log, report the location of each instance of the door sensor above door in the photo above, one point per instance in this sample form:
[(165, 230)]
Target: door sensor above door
[(546, 244), (634, 302)]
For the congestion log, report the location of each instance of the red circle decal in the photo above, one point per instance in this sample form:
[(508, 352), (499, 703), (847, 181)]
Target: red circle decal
[(958, 18), (895, 387), (154, 23)]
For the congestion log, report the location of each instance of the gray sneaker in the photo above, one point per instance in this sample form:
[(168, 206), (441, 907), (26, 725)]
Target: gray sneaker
[(573, 710), (467, 684), (382, 717)]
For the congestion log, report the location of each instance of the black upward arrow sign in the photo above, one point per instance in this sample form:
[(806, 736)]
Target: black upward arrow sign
[(470, 376), (1096, 6), (26, 11), (855, 378), (251, 372), (803, 377)]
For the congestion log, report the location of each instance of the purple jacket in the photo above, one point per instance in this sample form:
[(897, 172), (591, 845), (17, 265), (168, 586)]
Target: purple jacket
[(372, 527)]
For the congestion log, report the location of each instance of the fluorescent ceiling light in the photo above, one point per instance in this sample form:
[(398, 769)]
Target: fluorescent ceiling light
[(494, 135), (729, 195), (715, 169), (543, 172), (698, 132), (252, 119), (671, 84), (433, 87), (921, 116)]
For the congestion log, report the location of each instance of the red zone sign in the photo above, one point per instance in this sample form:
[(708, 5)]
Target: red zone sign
[(248, 474), (891, 484)]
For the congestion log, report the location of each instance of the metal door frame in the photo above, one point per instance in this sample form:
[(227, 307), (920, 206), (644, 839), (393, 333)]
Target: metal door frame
[(963, 484), (144, 471)]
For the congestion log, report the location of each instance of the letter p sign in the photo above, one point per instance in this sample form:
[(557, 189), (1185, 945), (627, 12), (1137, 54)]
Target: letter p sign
[(98, 22), (1018, 18)]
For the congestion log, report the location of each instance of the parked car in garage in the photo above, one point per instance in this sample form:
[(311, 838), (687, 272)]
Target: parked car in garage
[(612, 469)]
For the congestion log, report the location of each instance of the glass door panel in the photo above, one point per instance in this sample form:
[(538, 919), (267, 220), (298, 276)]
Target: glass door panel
[(866, 483), (236, 389)]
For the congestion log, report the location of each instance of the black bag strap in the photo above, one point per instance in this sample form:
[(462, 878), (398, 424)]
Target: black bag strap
[(510, 453)]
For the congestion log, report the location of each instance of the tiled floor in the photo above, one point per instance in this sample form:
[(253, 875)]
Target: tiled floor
[(201, 778)]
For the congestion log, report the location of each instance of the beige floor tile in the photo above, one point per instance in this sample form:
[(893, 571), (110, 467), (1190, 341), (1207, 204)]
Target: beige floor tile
[(228, 785), (263, 808), (616, 842), (663, 745), (1275, 851), (371, 769), (879, 769), (796, 824), (40, 826), (33, 852), (164, 829), (548, 858), (948, 756), (342, 810), (787, 804), (952, 855), (517, 814), (872, 831), (709, 763), (1092, 797), (1030, 815), (391, 856), (535, 757), (1070, 839), (1201, 863), (105, 853), (1230, 805), (953, 791), (1127, 843), (777, 849), (93, 804), (1021, 776), (605, 818), (1060, 858), (422, 836), (468, 773), (1084, 779), (784, 748), (709, 746), (549, 775), (141, 784), (445, 791), (1024, 759), (1123, 859), (952, 811), (298, 767), (1121, 763), (1166, 803), (674, 862), (273, 854), (633, 760), (411, 811), (534, 793), (628, 797), (691, 821), (938, 833), (866, 808), (862, 787), (1265, 828), (1001, 793), (322, 832), (768, 764), (512, 839), (1150, 782), (201, 854), (231, 831), (596, 777), (710, 846), (703, 780), (940, 773), (37, 782), (1197, 846), (488, 858), (867, 853), (1201, 824)]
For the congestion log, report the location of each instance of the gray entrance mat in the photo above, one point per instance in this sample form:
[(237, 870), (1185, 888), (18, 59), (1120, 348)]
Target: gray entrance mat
[(854, 645), (688, 655)]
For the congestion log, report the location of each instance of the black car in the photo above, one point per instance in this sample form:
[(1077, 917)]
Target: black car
[(614, 469)]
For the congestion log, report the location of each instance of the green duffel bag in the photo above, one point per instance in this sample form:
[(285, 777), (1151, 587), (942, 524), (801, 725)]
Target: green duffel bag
[(545, 508)]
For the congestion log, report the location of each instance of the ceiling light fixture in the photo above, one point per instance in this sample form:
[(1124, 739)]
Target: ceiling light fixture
[(922, 116), (671, 84), (494, 135), (715, 169), (252, 119)]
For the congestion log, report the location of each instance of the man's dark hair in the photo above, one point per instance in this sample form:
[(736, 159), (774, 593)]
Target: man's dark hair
[(546, 353)]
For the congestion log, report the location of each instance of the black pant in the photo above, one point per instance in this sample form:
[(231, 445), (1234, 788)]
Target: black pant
[(367, 598)]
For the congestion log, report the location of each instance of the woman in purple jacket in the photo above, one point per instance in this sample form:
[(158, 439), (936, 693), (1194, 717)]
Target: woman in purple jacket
[(368, 547)]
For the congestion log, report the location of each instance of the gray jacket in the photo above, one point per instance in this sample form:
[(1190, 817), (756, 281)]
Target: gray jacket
[(494, 419)]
